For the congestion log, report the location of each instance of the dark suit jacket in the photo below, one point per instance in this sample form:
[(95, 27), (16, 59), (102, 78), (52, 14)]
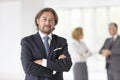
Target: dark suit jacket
[(115, 53), (33, 49)]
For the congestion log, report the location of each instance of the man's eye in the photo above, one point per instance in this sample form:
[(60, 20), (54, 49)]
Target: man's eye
[(51, 20), (44, 19)]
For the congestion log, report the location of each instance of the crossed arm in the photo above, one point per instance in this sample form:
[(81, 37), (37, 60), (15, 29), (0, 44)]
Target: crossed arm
[(32, 66), (104, 50), (40, 61)]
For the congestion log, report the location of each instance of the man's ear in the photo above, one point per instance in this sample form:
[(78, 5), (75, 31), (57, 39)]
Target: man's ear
[(37, 20)]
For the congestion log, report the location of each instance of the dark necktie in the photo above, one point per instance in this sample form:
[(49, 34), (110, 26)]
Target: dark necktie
[(111, 44), (47, 49), (46, 44), (110, 47)]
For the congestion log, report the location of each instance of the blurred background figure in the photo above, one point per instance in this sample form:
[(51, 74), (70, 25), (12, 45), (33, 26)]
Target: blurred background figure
[(80, 53), (111, 51)]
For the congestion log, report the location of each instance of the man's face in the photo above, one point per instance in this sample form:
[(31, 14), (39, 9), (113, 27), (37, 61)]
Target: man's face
[(112, 30), (46, 22)]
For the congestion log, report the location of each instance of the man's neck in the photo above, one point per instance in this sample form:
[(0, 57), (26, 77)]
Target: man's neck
[(44, 34), (115, 36)]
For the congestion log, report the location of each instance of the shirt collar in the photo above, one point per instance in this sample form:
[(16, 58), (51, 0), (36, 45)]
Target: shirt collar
[(115, 36), (43, 35)]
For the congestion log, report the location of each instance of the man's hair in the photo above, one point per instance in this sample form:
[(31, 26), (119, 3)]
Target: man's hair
[(114, 24), (46, 10)]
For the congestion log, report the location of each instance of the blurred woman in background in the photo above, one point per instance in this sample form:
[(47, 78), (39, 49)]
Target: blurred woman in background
[(79, 53)]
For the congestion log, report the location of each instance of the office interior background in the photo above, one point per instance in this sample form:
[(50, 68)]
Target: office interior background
[(17, 21)]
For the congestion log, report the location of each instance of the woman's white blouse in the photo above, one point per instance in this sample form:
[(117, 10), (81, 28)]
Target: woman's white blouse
[(79, 51)]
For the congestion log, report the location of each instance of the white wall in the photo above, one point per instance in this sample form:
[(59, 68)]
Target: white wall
[(16, 21), (9, 40), (81, 3), (29, 10)]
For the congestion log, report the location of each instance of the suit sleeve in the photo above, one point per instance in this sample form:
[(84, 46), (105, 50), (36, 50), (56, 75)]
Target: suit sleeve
[(103, 47), (61, 64), (27, 62)]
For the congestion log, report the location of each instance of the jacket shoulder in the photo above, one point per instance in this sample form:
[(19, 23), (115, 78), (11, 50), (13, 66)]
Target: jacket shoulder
[(59, 37), (28, 38), (107, 39)]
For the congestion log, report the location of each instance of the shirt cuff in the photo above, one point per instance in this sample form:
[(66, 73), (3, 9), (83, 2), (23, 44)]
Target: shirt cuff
[(44, 62), (54, 72)]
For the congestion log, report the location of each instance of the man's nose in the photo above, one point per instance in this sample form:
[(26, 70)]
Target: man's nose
[(47, 22)]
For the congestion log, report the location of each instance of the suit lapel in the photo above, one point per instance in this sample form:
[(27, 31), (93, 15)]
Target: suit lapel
[(53, 43), (117, 39), (40, 44), (109, 42)]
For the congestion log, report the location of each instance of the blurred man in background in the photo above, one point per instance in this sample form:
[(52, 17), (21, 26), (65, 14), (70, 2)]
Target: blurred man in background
[(111, 50)]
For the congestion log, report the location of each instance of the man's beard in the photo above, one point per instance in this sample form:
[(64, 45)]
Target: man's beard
[(47, 31)]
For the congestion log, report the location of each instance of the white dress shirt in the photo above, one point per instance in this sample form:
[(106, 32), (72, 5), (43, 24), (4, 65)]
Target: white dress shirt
[(43, 35), (79, 51), (115, 36), (44, 61)]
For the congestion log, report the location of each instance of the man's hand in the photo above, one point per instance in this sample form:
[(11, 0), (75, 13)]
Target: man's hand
[(38, 62), (62, 56), (106, 52)]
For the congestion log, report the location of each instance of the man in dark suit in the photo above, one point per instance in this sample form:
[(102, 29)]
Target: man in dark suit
[(45, 55), (111, 50)]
